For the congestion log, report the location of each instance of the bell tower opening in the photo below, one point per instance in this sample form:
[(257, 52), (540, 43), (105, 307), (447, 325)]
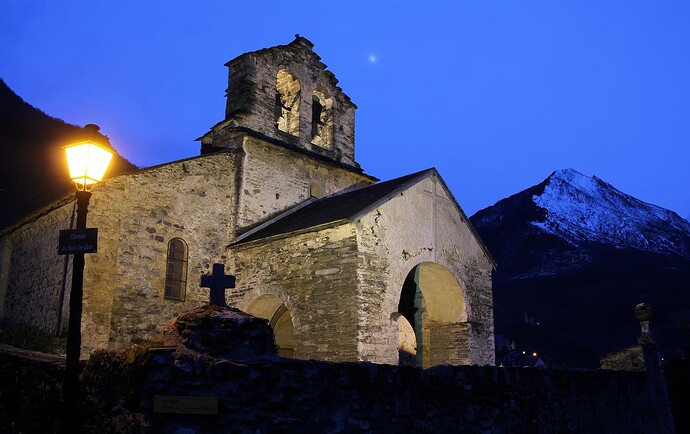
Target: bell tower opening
[(288, 97), (322, 119)]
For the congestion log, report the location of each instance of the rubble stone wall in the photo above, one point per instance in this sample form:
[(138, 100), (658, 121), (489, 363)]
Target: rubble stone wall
[(251, 98), (291, 396), (140, 213), (314, 274), (389, 250), (310, 396), (32, 274), (275, 179), (287, 396)]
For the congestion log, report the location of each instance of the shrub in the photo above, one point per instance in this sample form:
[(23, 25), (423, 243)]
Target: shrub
[(30, 337)]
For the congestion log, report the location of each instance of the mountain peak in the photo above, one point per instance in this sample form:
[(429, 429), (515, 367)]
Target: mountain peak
[(577, 180), (580, 208), (567, 174)]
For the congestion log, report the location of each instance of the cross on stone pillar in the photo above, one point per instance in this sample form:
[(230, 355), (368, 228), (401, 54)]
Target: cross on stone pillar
[(217, 282)]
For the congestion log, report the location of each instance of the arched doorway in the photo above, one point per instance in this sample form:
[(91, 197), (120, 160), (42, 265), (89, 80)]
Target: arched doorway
[(272, 308), (432, 309)]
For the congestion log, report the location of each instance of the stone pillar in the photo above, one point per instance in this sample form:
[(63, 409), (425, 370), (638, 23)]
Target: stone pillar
[(656, 378)]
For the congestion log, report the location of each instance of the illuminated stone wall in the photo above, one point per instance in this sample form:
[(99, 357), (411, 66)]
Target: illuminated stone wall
[(315, 276), (423, 226), (274, 179), (137, 216), (251, 100), (342, 285)]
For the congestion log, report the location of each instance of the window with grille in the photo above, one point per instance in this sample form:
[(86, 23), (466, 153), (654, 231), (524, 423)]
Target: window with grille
[(176, 272)]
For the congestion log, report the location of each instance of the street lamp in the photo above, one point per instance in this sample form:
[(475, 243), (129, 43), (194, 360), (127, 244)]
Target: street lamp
[(87, 162)]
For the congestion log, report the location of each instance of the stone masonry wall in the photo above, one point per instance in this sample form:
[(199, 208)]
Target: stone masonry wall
[(32, 274), (140, 213), (275, 179), (288, 396), (421, 225), (137, 215), (294, 396), (252, 89), (314, 274)]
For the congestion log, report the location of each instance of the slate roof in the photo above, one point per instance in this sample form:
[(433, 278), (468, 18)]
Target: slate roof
[(339, 208)]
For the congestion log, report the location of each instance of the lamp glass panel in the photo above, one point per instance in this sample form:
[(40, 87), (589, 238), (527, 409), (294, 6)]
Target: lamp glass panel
[(87, 162), (99, 159)]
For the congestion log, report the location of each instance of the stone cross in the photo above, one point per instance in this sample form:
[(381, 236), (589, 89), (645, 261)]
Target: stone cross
[(217, 282)]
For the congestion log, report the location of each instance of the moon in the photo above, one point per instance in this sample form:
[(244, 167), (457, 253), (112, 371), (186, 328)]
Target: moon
[(372, 58)]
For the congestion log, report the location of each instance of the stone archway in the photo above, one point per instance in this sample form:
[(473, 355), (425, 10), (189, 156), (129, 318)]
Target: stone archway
[(288, 91), (272, 308), (432, 306)]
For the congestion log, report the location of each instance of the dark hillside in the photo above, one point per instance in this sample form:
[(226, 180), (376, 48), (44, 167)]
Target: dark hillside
[(574, 257), (33, 170)]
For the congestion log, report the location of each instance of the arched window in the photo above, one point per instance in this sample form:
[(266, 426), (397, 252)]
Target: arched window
[(176, 271), (287, 102), (322, 119)]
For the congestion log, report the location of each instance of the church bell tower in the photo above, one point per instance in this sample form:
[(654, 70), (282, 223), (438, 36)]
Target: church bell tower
[(285, 95)]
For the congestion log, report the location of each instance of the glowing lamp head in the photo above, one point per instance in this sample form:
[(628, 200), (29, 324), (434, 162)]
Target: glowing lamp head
[(87, 163)]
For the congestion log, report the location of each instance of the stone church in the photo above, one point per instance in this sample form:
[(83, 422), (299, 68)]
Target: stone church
[(344, 267)]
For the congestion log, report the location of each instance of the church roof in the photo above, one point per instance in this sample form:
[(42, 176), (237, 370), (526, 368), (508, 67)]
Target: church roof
[(336, 209), (344, 208)]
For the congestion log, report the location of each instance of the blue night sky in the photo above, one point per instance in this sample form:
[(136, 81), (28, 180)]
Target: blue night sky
[(495, 94)]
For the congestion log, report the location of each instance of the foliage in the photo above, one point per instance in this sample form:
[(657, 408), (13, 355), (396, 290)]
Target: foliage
[(30, 337), (113, 382)]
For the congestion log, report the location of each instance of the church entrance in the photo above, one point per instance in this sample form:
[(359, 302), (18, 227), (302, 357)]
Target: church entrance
[(431, 318), (272, 308)]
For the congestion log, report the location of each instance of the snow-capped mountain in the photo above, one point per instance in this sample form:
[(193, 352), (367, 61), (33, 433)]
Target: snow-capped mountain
[(586, 209), (574, 256), (558, 223)]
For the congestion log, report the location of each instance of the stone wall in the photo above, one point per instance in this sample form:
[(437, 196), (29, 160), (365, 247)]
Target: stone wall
[(29, 391), (281, 396), (314, 274), (251, 99), (137, 215), (140, 213), (275, 179), (32, 274), (296, 396), (423, 225)]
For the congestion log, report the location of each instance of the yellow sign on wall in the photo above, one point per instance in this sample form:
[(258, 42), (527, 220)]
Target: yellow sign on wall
[(185, 404)]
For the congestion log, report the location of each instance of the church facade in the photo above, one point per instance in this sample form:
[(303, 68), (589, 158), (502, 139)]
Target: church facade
[(343, 266)]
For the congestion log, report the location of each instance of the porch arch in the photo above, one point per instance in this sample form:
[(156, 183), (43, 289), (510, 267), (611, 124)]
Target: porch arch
[(272, 308), (432, 305)]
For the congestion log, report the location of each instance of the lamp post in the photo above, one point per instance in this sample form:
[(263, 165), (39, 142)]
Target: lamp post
[(87, 162)]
